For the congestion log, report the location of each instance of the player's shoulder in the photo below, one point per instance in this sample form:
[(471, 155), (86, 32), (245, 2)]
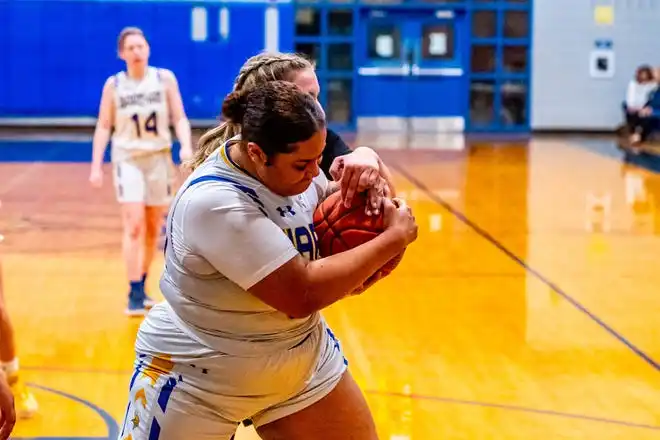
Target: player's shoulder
[(221, 190), (165, 75), (112, 81)]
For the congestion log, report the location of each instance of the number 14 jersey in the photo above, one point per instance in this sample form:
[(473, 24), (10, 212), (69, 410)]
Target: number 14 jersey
[(142, 118)]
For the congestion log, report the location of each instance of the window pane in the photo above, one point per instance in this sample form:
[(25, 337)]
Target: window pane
[(308, 22), (514, 103), (311, 51), (484, 24), (437, 42), (483, 59), (338, 108), (384, 42), (340, 22), (515, 59), (516, 24), (340, 56), (482, 100)]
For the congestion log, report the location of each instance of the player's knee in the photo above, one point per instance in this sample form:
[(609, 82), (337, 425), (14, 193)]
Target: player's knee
[(134, 228)]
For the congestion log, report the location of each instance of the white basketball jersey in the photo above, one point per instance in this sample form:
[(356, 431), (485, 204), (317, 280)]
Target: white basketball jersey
[(215, 307), (142, 119)]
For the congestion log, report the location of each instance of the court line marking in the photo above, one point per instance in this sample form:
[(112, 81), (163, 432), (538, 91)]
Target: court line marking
[(110, 422), (449, 400), (488, 237), (514, 408)]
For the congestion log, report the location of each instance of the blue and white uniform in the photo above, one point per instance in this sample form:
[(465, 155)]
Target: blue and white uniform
[(213, 354), (142, 140)]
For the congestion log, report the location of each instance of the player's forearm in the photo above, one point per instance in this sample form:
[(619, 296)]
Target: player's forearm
[(99, 144), (333, 278), (183, 134)]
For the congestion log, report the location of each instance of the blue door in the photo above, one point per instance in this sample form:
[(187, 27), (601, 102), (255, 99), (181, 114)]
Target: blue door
[(411, 71)]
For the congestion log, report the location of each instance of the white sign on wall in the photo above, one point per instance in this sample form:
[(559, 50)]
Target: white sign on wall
[(601, 63)]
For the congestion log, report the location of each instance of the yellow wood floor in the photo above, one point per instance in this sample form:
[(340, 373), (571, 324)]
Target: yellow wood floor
[(528, 308)]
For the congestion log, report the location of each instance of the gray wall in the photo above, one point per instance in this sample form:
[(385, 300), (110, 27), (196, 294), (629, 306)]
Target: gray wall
[(564, 96)]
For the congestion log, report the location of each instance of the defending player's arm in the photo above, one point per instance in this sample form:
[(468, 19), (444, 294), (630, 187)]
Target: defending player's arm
[(178, 115), (360, 167), (254, 253), (102, 132)]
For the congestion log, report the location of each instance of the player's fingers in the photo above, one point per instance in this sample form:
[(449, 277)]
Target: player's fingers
[(400, 203), (374, 202), (386, 189), (336, 168), (368, 179), (389, 207), (345, 180), (349, 185)]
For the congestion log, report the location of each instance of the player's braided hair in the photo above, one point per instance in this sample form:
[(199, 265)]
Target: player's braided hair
[(259, 69)]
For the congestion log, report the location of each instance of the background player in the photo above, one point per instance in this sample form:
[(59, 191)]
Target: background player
[(140, 104), (26, 404), (360, 168), (240, 335)]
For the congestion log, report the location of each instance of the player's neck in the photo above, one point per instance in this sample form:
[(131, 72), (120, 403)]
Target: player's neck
[(136, 72), (239, 158)]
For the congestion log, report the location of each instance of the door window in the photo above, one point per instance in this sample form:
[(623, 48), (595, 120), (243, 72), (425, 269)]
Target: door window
[(437, 42)]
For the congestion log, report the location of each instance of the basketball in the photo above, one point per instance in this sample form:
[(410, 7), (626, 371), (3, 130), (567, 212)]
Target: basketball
[(339, 229)]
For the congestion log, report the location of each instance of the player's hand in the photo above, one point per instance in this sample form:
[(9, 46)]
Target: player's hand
[(7, 410), (185, 154), (400, 219), (376, 196), (356, 172), (96, 177)]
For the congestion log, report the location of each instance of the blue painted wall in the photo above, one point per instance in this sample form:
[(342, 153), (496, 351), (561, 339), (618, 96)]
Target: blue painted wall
[(61, 52)]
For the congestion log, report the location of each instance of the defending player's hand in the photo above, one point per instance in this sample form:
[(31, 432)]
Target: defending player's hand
[(399, 217), (7, 410), (376, 194), (96, 177), (356, 172)]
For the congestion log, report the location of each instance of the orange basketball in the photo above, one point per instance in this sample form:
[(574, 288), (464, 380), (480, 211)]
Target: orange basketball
[(339, 229)]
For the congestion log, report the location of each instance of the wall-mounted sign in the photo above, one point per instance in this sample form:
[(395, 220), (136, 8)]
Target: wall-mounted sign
[(604, 15), (601, 63)]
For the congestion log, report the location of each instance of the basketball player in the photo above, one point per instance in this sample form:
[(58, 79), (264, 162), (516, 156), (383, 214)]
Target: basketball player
[(7, 409), (26, 404), (140, 104), (358, 169), (240, 335)]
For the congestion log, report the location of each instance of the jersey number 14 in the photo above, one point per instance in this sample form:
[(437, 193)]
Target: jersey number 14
[(150, 124)]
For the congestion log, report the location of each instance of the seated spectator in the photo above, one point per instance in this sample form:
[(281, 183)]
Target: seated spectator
[(637, 98)]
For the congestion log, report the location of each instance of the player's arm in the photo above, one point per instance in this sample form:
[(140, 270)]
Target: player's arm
[(358, 171), (334, 147), (254, 253), (102, 131), (7, 409), (178, 114)]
